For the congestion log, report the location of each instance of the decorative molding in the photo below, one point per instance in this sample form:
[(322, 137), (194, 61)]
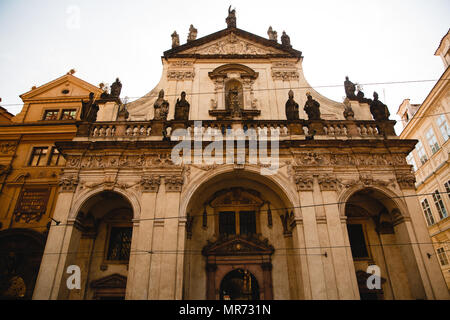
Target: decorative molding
[(8, 147), (304, 182), (328, 182), (150, 183), (100, 161), (232, 45), (174, 183), (406, 180), (288, 222), (68, 184), (182, 63), (285, 75), (180, 75)]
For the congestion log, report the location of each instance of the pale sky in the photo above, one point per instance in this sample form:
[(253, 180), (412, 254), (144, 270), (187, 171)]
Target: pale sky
[(370, 41)]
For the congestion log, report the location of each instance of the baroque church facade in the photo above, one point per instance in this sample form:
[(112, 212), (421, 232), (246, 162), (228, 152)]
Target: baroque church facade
[(331, 195)]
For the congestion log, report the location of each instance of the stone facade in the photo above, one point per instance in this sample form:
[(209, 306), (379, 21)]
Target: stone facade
[(142, 226)]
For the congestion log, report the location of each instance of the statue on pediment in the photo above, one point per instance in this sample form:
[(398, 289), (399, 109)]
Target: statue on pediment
[(378, 109), (175, 39), (285, 40), (89, 109), (350, 89), (161, 107), (192, 34), (312, 108), (231, 19), (273, 35), (292, 107), (182, 108)]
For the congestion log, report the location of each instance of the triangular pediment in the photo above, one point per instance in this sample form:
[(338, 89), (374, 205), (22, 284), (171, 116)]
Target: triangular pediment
[(66, 86), (112, 281), (238, 245), (232, 42)]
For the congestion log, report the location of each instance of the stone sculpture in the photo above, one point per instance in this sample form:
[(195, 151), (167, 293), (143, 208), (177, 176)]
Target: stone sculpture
[(161, 107), (312, 108), (292, 108), (182, 108)]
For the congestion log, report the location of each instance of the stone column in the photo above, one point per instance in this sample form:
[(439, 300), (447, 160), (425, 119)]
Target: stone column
[(61, 240), (311, 240), (140, 263), (337, 252), (303, 280), (267, 279), (171, 249), (211, 281)]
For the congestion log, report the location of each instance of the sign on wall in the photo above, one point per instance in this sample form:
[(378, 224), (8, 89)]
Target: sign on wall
[(32, 204)]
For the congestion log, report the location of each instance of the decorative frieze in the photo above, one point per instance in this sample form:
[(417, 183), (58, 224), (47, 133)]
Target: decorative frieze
[(345, 159), (8, 147), (406, 180), (150, 183), (180, 75), (99, 161), (285, 75), (68, 184), (174, 183)]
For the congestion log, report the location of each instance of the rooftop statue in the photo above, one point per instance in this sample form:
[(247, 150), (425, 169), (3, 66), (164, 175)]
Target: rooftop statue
[(350, 89), (161, 107), (292, 107), (116, 88), (89, 109), (349, 114), (312, 108), (182, 108), (285, 40), (175, 39), (378, 109), (231, 19), (192, 34), (273, 35)]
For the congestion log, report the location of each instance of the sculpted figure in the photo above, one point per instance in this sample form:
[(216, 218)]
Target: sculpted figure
[(292, 107), (192, 34), (379, 110), (231, 19), (285, 40), (182, 108), (175, 39), (161, 107), (233, 103), (116, 88), (349, 89), (273, 35), (349, 114), (89, 109), (312, 108)]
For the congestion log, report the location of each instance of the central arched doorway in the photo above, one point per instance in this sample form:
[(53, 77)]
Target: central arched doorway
[(232, 225), (239, 285)]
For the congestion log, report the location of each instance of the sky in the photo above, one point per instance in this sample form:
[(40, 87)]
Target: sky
[(370, 41)]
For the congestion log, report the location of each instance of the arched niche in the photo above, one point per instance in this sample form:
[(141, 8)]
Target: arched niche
[(378, 236), (21, 253)]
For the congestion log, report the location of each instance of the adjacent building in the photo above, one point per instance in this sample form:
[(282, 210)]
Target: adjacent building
[(429, 124), (30, 166)]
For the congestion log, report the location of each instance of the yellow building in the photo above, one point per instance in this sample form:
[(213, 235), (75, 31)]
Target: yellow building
[(429, 124), (30, 166)]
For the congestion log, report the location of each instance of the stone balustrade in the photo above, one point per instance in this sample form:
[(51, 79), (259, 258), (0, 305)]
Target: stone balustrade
[(297, 129)]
